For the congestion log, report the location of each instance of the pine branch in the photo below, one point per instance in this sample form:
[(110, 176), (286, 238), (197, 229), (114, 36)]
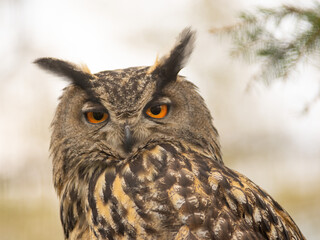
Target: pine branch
[(256, 40)]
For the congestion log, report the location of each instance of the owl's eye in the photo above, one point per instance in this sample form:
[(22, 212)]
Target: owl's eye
[(157, 111), (96, 117)]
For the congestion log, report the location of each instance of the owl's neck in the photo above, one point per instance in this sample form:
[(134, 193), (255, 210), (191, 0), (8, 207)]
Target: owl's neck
[(206, 145)]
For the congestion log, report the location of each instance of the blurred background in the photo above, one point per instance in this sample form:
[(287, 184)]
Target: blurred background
[(263, 132)]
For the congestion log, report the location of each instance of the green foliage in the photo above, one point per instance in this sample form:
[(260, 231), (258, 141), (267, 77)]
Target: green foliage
[(278, 38)]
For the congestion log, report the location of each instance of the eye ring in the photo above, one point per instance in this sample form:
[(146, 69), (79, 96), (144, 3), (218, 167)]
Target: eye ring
[(158, 111), (96, 117)]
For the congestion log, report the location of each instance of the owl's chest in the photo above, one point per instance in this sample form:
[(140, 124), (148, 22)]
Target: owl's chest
[(145, 197)]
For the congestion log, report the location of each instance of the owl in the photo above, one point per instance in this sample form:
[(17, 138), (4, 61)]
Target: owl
[(136, 156)]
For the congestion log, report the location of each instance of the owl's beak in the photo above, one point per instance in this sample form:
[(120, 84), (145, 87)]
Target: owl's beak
[(128, 140)]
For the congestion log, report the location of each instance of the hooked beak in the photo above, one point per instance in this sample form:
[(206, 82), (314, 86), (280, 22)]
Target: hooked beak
[(128, 140)]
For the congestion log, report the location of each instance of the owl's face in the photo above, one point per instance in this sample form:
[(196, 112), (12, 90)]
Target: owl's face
[(117, 113), (128, 108)]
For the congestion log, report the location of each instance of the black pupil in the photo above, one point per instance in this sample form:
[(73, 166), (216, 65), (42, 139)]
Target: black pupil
[(155, 110), (98, 115)]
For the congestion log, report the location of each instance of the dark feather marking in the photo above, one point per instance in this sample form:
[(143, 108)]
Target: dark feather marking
[(123, 211), (103, 222), (204, 171), (188, 164), (201, 162), (73, 195), (249, 208), (184, 181), (224, 183), (103, 232), (175, 165), (136, 165), (132, 234), (109, 178), (110, 234), (229, 172), (196, 221), (169, 148), (143, 214), (226, 227), (71, 221), (266, 224), (91, 200), (131, 181), (79, 208), (139, 203), (204, 174), (65, 230), (116, 217), (164, 158), (149, 230), (168, 181), (286, 234), (95, 233), (276, 204), (232, 197), (273, 218), (182, 147), (82, 171), (260, 202), (263, 193), (185, 191), (263, 231), (65, 167), (158, 163)]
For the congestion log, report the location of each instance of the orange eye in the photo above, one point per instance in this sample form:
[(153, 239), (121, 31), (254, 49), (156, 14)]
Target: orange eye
[(96, 117), (157, 111)]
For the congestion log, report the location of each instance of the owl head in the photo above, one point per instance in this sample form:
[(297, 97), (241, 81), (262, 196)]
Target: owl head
[(115, 114)]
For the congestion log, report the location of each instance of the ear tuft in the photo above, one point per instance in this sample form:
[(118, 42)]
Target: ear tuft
[(170, 65), (79, 75)]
